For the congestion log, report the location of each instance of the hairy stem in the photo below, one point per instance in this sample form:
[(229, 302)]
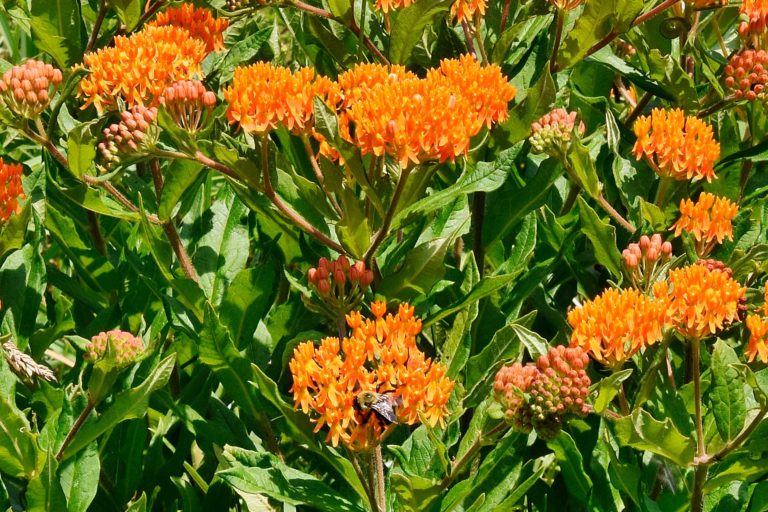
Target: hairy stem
[(319, 175), (75, 428), (97, 25), (381, 491), (559, 20), (478, 219), (700, 473), (610, 210)]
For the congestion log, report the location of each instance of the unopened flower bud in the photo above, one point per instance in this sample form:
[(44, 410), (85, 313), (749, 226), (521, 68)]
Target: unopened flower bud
[(125, 347), (189, 104), (27, 89)]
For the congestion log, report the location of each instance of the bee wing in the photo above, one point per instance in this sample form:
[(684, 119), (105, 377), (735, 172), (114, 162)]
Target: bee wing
[(384, 410)]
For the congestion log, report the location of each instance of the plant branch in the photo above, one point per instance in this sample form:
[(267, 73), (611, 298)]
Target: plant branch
[(170, 229), (75, 428), (559, 20), (363, 480), (97, 25), (700, 473), (319, 175), (381, 234), (458, 465), (381, 491), (297, 219), (615, 214), (639, 107), (743, 435), (478, 219)]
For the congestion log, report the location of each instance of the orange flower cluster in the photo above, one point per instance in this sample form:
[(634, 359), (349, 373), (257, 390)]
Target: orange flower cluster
[(676, 146), (262, 96), (708, 220), (434, 118), (615, 325), (390, 5), (566, 5), (746, 74), (700, 300), (126, 348), (380, 356), (138, 68), (757, 324), (27, 89), (199, 22), (467, 10), (188, 103), (541, 396), (755, 18), (11, 189), (355, 83)]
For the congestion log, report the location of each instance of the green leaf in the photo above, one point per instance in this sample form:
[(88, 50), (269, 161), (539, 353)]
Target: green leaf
[(22, 284), (266, 474), (81, 147), (223, 249), (537, 102), (129, 404), (180, 176), (247, 300), (583, 166), (640, 430), (57, 29), (597, 20), (726, 395), (505, 346), (19, 455), (485, 177), (128, 11), (603, 238), (12, 232), (414, 493), (80, 478), (608, 388), (410, 24), (571, 464), (44, 493), (240, 53), (741, 468)]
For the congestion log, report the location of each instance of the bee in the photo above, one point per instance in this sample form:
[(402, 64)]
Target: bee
[(382, 404)]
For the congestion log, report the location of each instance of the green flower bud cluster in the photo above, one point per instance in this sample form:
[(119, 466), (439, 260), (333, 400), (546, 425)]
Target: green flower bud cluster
[(124, 346), (553, 132), (135, 134)]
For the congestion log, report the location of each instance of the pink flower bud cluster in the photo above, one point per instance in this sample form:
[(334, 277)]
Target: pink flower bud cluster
[(623, 49), (340, 283), (541, 396), (189, 104), (640, 259), (133, 135), (27, 89), (553, 132), (125, 347), (746, 75)]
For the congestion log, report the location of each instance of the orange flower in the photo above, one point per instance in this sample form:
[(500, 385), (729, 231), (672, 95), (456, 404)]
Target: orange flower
[(354, 84), (263, 95), (700, 300), (199, 22), (138, 68), (390, 5), (615, 325), (758, 336), (11, 189), (466, 10), (756, 14), (676, 146), (485, 87), (428, 121), (380, 356), (708, 220), (765, 304)]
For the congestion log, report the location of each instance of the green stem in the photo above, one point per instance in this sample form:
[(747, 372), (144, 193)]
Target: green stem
[(700, 473), (559, 20), (75, 428), (387, 222), (381, 492), (662, 190)]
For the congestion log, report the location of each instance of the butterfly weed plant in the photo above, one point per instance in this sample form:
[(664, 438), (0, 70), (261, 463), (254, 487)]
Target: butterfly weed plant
[(402, 255)]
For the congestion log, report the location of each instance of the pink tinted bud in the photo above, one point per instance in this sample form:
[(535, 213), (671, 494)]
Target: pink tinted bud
[(367, 278), (652, 254), (656, 240), (343, 262), (644, 242), (312, 275), (323, 263), (323, 287), (339, 277), (209, 99), (666, 249)]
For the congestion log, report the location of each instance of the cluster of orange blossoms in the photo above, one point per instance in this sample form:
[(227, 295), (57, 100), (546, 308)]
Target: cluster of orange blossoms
[(199, 22), (616, 324), (126, 348), (754, 18), (757, 324), (465, 11), (676, 146), (27, 89), (379, 356), (433, 118), (746, 74), (138, 68), (541, 396), (263, 96), (11, 189), (708, 220), (700, 300), (188, 103)]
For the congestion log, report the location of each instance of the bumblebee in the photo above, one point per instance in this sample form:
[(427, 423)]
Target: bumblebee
[(383, 405)]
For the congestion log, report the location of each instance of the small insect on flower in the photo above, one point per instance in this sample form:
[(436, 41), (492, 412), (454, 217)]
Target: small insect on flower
[(382, 404)]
